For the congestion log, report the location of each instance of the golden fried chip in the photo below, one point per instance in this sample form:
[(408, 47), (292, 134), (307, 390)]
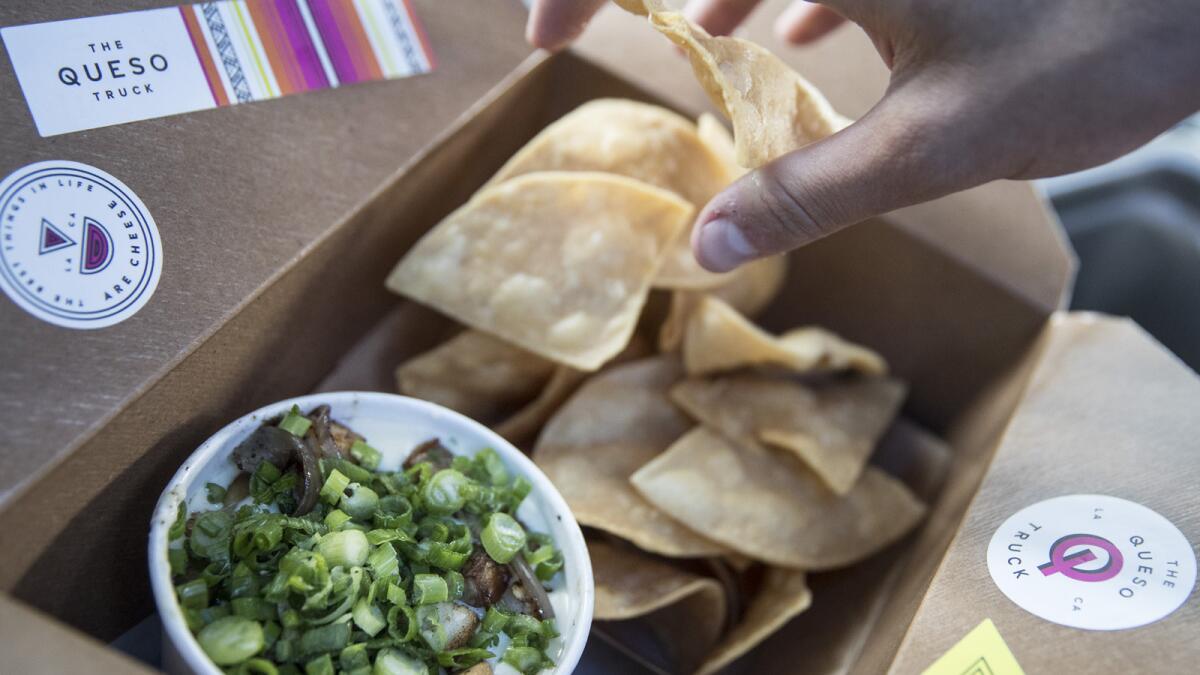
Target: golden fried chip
[(670, 333), (764, 504), (616, 422), (720, 141), (522, 428), (641, 141), (773, 109), (523, 425), (750, 290), (684, 611), (832, 428), (783, 595), (629, 138), (476, 374), (716, 338), (630, 584), (914, 455), (754, 285), (558, 263)]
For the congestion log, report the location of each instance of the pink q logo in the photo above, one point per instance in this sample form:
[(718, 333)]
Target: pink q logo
[(1067, 564)]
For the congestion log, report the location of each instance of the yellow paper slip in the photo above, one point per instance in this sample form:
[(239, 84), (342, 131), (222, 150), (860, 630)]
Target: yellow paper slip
[(981, 652)]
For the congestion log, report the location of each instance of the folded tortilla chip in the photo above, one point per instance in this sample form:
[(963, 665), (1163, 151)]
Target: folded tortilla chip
[(773, 109), (916, 456), (783, 595), (522, 427), (629, 138), (641, 141), (720, 141), (684, 612), (751, 288), (832, 428), (716, 338), (558, 263), (630, 584), (476, 374), (616, 422), (764, 504)]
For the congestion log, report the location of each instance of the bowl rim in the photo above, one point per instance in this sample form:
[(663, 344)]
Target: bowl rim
[(175, 627)]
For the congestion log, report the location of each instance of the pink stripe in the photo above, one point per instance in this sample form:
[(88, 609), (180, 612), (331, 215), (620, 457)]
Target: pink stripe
[(335, 46), (301, 44)]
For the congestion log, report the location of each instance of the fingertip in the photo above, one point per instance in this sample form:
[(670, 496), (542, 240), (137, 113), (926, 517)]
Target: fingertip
[(785, 26), (720, 246), (554, 24), (542, 36), (803, 23), (719, 17)]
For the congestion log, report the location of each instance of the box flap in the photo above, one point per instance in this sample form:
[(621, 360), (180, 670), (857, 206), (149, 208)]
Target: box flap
[(1118, 413), (1022, 247), (35, 643), (237, 193)]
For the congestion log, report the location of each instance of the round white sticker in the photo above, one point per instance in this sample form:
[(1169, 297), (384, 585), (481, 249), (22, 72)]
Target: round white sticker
[(77, 246), (1093, 562)]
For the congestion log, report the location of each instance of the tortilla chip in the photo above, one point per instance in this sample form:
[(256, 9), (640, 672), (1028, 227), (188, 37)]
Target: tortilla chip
[(629, 138), (557, 263), (773, 109), (783, 595), (616, 422), (765, 505), (750, 290), (641, 141), (729, 577), (476, 374), (630, 584), (685, 612), (833, 428), (720, 141), (754, 285), (524, 425), (716, 338), (915, 456), (522, 428), (670, 333)]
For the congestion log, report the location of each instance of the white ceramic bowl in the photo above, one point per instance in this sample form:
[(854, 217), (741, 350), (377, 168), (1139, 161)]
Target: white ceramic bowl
[(394, 425)]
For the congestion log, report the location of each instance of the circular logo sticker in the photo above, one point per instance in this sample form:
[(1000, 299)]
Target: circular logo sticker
[(77, 246), (1093, 562)]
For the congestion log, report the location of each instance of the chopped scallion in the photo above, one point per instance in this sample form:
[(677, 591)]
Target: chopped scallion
[(368, 617), (231, 640), (346, 548), (429, 589), (215, 493), (366, 456), (295, 422), (502, 537), (335, 487), (193, 594)]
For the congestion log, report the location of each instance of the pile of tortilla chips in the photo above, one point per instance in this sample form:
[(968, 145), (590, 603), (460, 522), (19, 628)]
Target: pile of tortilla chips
[(714, 464)]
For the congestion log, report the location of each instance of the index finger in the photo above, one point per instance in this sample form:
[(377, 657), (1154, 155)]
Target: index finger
[(555, 23)]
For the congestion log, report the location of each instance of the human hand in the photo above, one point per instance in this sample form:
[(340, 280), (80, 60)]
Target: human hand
[(980, 90), (555, 23)]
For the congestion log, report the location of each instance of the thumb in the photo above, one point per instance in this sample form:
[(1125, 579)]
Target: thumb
[(904, 151)]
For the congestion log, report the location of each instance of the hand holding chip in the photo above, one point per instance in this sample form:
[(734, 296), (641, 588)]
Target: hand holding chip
[(979, 91)]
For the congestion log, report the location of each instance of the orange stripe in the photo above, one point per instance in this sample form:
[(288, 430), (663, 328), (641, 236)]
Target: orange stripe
[(351, 28), (420, 30), (274, 41), (206, 62)]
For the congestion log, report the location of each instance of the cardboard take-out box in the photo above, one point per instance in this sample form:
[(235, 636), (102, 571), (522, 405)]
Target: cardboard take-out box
[(279, 221)]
